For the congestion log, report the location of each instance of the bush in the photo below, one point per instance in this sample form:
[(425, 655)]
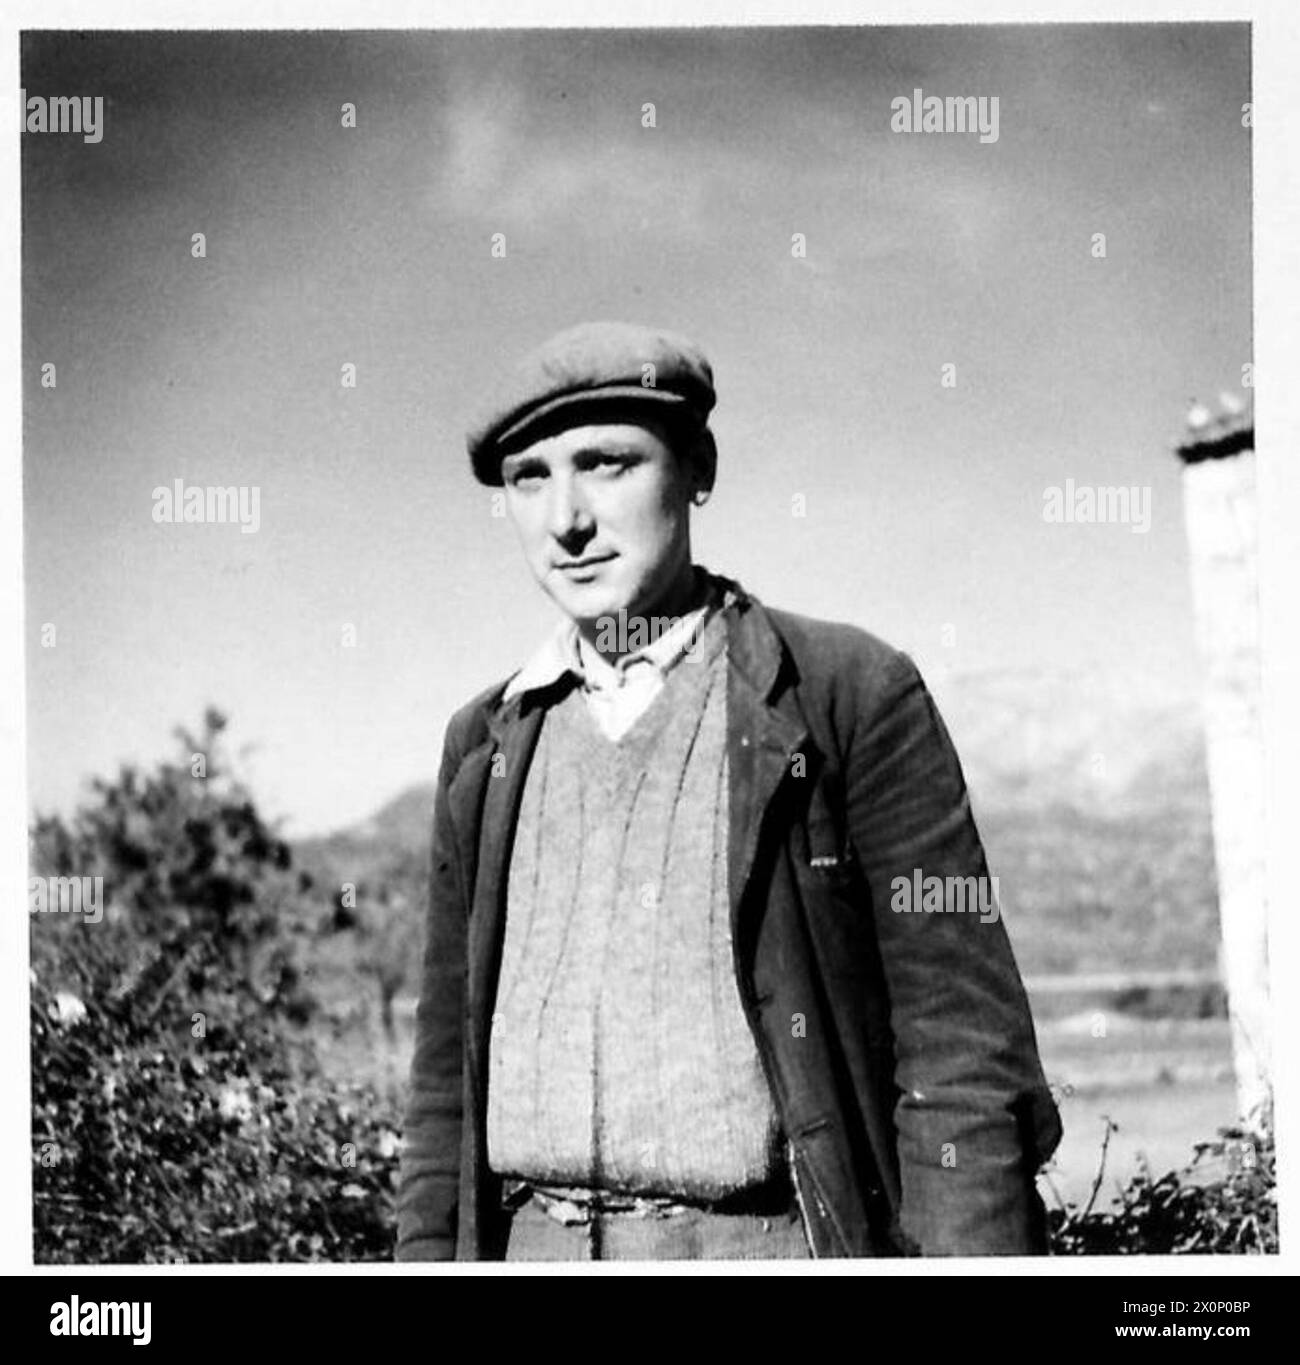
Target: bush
[(1224, 1202), (178, 1110), (154, 1146)]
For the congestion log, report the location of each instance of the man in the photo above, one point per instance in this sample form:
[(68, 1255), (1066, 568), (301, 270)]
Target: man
[(677, 1001)]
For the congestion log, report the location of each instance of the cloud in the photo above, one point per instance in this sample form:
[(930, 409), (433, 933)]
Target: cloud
[(504, 174), (480, 145)]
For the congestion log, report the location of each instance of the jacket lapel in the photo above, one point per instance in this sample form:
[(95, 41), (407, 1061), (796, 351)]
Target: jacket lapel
[(505, 759), (762, 738)]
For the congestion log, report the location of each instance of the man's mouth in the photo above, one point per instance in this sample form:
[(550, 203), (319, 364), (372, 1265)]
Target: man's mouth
[(587, 562)]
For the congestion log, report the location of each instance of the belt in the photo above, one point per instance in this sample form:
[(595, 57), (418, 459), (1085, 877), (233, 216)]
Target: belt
[(578, 1205)]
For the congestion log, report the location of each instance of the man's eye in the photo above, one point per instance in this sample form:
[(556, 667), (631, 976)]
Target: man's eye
[(525, 478)]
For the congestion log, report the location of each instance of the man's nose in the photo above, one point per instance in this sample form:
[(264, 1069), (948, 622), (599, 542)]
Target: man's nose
[(569, 515)]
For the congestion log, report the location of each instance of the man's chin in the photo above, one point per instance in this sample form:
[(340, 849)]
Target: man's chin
[(589, 603)]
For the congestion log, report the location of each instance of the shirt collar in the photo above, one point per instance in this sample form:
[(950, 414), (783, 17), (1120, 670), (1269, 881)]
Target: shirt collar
[(565, 652)]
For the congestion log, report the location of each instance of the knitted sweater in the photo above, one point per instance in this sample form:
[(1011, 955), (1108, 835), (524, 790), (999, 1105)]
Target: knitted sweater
[(620, 1054)]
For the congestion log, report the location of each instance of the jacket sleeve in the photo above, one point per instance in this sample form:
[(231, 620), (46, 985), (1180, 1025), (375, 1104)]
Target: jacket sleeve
[(429, 1174), (974, 1116)]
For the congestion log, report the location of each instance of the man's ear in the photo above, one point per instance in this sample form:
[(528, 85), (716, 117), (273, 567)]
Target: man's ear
[(704, 460)]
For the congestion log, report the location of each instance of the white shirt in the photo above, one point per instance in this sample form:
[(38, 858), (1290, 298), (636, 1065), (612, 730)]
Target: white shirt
[(617, 690)]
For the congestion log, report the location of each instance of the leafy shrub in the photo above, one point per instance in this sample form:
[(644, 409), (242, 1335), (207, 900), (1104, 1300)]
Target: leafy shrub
[(151, 1145), (1225, 1201), (179, 1112)]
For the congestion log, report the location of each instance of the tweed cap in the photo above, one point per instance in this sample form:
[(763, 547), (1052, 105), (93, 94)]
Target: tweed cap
[(596, 366)]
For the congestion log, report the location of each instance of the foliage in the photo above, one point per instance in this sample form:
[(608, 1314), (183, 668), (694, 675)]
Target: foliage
[(190, 869), (151, 1145), (179, 1112), (1224, 1202)]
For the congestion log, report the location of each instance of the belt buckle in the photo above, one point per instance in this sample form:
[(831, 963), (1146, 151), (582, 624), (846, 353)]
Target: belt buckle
[(574, 1208), (567, 1212)]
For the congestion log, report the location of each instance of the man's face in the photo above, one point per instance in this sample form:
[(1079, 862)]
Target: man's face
[(602, 513)]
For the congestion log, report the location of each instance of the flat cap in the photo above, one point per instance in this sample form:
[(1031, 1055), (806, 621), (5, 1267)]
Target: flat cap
[(607, 366)]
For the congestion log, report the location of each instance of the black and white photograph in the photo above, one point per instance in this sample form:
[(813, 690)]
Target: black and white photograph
[(645, 644)]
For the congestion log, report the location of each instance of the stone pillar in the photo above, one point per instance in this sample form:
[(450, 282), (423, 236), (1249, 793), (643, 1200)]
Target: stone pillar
[(1222, 521)]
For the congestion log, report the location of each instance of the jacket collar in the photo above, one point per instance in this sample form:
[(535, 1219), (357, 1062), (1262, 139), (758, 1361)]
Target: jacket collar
[(563, 653), (755, 651)]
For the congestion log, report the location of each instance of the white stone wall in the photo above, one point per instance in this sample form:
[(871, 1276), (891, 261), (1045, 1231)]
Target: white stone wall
[(1222, 537)]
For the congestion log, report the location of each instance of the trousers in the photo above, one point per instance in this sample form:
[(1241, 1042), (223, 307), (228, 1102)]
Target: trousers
[(693, 1235)]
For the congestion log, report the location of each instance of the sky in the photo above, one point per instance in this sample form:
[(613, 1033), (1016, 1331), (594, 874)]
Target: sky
[(373, 246)]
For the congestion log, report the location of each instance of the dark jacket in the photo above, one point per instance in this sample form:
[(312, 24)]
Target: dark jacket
[(899, 1046)]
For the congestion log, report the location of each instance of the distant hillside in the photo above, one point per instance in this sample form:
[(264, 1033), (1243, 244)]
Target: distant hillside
[(1090, 793), (403, 824), (1097, 742)]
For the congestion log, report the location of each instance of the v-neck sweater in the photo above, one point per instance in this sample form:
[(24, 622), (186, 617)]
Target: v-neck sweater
[(620, 1056)]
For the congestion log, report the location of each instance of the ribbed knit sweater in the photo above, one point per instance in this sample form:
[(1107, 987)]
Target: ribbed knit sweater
[(620, 1055)]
